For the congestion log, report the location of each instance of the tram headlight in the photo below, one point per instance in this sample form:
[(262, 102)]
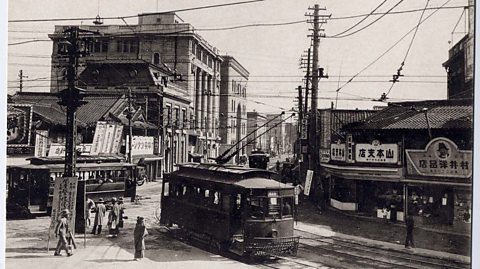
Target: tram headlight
[(274, 233)]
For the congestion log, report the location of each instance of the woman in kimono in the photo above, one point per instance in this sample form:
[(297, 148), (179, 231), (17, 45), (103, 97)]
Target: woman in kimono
[(139, 238)]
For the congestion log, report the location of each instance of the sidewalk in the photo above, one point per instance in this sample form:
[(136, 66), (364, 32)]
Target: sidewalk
[(429, 240)]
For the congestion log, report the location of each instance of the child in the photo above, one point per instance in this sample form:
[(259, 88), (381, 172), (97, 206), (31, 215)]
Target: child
[(139, 238)]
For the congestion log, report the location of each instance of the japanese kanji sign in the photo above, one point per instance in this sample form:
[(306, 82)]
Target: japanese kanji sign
[(441, 157), (308, 182), (304, 129), (64, 197), (337, 152), (376, 153), (141, 145)]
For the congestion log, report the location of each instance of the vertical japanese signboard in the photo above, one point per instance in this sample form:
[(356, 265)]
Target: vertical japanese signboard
[(41, 140), (440, 158), (338, 152), (117, 139), (376, 153), (99, 137), (308, 182), (304, 129), (64, 197)]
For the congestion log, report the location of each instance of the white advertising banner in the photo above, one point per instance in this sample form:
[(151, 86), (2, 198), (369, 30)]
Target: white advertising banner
[(141, 145), (58, 150), (308, 182), (376, 153), (117, 139), (41, 141), (108, 139), (98, 137)]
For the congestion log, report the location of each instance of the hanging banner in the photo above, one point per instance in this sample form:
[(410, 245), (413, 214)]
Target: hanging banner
[(304, 129), (117, 140), (440, 158), (98, 137), (108, 139), (376, 153), (308, 182), (41, 141), (64, 197)]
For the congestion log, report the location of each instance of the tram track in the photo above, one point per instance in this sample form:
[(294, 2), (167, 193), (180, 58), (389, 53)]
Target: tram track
[(403, 259)]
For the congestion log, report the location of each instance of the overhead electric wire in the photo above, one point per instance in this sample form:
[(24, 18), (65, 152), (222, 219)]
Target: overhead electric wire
[(368, 25), (132, 16), (397, 12), (363, 19), (395, 80), (390, 48)]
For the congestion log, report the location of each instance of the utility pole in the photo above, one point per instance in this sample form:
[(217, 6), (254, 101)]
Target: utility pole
[(72, 99), (21, 77), (300, 121), (130, 129), (317, 73), (307, 81)]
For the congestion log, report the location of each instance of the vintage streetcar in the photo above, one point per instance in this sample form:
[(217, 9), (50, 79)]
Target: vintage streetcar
[(30, 186), (231, 208)]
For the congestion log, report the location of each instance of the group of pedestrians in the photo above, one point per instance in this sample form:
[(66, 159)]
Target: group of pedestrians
[(115, 216), (115, 221)]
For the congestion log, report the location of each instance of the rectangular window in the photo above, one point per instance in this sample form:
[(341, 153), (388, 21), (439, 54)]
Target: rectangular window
[(177, 117), (133, 46), (119, 46), (104, 46)]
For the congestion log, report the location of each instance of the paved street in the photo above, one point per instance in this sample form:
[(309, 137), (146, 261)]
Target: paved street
[(323, 245)]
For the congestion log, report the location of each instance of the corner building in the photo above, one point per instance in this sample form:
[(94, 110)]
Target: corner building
[(167, 41)]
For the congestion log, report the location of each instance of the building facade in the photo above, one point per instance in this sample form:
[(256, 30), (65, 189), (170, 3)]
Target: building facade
[(276, 134), (162, 40), (255, 125), (233, 105), (410, 158)]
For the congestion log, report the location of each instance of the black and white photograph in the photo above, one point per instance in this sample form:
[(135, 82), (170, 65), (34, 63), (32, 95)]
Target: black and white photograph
[(239, 134)]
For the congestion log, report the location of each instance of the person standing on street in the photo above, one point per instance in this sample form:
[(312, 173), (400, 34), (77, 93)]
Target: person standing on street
[(409, 222), (113, 218), (61, 231), (139, 238), (122, 215), (88, 210), (99, 215)]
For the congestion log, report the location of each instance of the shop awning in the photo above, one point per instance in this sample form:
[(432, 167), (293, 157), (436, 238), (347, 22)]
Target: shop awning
[(147, 158), (391, 174)]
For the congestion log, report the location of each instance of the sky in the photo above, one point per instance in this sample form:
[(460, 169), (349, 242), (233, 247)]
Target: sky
[(272, 53)]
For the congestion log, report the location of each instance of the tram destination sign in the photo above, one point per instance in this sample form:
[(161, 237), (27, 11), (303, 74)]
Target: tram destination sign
[(440, 158)]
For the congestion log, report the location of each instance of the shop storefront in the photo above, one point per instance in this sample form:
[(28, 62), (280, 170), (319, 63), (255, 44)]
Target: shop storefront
[(439, 180)]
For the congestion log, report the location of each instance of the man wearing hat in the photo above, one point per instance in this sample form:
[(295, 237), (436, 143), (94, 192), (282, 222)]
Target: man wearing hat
[(99, 215), (61, 231), (113, 218)]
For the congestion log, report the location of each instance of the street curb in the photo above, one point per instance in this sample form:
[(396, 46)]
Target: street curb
[(397, 224), (396, 247)]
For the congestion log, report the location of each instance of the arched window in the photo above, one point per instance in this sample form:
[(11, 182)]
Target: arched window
[(156, 58)]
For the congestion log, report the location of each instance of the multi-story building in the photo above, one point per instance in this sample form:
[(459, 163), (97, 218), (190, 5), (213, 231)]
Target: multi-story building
[(459, 65), (233, 105), (276, 135), (154, 93), (255, 125), (163, 40)]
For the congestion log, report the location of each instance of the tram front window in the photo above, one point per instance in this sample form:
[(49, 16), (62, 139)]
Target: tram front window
[(257, 209)]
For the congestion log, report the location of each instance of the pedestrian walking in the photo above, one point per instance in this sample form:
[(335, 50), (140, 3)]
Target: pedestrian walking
[(62, 231), (139, 238), (99, 215), (409, 222), (90, 204), (113, 218)]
